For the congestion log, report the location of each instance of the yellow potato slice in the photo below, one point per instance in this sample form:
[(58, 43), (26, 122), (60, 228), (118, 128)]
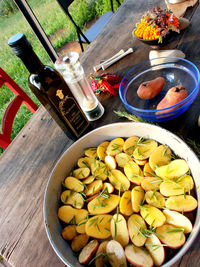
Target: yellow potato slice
[(138, 256), (85, 162), (119, 229), (81, 173), (99, 170), (137, 196), (79, 242), (119, 180), (133, 172), (80, 228), (130, 144), (103, 204), (174, 187), (74, 184), (110, 162), (91, 152), (72, 198), (115, 146), (144, 149), (155, 199), (99, 226), (137, 230), (116, 254), (182, 203), (101, 150), (88, 180), (140, 162), (108, 187), (91, 198), (93, 188), (148, 170), (69, 232), (125, 205), (101, 258), (161, 156), (153, 216), (176, 168), (70, 215), (122, 159), (151, 183)]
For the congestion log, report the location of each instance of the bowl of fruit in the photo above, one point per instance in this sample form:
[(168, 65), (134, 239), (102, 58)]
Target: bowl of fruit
[(125, 193)]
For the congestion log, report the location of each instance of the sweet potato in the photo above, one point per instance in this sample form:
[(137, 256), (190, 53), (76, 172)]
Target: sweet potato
[(173, 96), (150, 89)]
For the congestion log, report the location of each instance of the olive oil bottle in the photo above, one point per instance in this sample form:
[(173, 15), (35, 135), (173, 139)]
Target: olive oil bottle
[(51, 89)]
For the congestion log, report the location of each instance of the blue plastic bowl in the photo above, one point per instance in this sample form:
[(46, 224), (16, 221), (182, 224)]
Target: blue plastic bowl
[(176, 71)]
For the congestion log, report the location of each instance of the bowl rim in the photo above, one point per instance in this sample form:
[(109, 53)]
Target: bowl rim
[(192, 236), (152, 111)]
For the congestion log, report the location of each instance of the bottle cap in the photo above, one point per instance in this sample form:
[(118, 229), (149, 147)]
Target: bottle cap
[(19, 44)]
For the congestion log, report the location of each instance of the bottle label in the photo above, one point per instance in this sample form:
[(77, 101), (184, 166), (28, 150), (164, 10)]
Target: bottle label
[(72, 114)]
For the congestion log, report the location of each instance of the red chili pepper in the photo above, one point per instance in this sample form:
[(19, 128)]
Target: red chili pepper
[(107, 87), (111, 78), (94, 85), (116, 86)]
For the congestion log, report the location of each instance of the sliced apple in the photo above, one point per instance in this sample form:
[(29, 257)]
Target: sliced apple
[(115, 146), (101, 258), (99, 170), (153, 216), (147, 170), (155, 249), (155, 199), (125, 205), (182, 203), (176, 168), (151, 183), (122, 159), (161, 156), (137, 196), (170, 235), (93, 188), (110, 162), (144, 149), (136, 229), (116, 254), (101, 150), (138, 256), (178, 220), (119, 180), (178, 186), (118, 229), (133, 172), (130, 145)]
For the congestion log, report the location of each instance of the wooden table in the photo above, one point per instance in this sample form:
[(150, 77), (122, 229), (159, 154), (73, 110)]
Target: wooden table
[(27, 163)]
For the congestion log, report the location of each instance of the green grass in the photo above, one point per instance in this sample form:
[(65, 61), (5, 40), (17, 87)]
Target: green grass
[(52, 18)]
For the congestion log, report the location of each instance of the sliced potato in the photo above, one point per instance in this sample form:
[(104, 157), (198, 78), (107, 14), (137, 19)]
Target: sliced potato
[(80, 228), (116, 254), (101, 150), (88, 251), (148, 170), (108, 187), (91, 152), (125, 205), (119, 229), (70, 215), (176, 168), (72, 198), (119, 180), (138, 256), (99, 226), (122, 159), (115, 146), (74, 184), (93, 188), (101, 257), (137, 229), (170, 235), (85, 162), (182, 203), (178, 220), (153, 216), (144, 149), (110, 162), (137, 196), (130, 144), (99, 170), (161, 156), (151, 183), (155, 199), (155, 249), (81, 173), (174, 187), (88, 180), (91, 198), (103, 205), (69, 232), (133, 172), (140, 162), (79, 242)]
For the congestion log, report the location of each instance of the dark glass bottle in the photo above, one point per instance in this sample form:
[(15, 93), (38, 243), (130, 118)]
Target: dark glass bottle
[(50, 88)]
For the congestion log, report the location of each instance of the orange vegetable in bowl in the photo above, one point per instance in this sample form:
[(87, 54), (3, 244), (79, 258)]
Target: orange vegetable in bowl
[(150, 89)]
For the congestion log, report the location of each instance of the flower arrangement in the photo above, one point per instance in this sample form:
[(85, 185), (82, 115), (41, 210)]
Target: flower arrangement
[(157, 24)]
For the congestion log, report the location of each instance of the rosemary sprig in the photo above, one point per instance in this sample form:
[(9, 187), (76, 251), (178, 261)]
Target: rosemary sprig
[(129, 116)]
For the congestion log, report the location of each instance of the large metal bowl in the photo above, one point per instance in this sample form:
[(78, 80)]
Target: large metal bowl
[(69, 159)]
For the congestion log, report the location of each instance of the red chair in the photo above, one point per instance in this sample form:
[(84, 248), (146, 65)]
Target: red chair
[(14, 105)]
